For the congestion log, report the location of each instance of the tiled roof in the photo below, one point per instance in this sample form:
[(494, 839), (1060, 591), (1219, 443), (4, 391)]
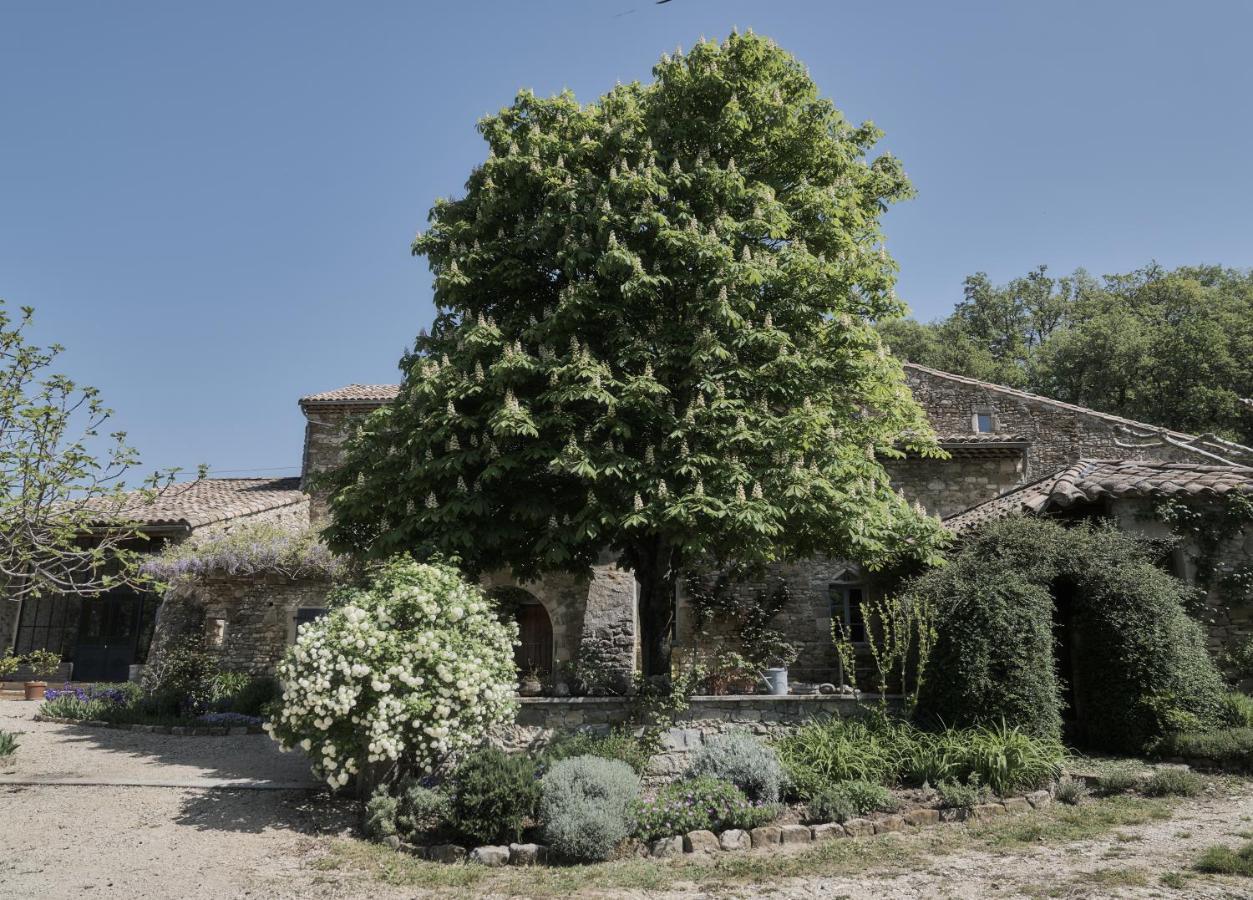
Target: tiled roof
[(1090, 480), (207, 500), (980, 438), (355, 393)]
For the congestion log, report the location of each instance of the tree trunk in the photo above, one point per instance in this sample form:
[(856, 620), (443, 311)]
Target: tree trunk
[(657, 578)]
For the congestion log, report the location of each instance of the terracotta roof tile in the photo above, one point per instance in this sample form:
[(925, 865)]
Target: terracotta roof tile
[(1090, 480), (355, 393), (205, 501)]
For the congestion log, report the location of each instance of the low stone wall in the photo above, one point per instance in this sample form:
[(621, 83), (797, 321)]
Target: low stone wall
[(540, 718)]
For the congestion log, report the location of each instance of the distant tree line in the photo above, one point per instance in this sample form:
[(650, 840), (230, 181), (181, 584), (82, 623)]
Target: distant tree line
[(1168, 347)]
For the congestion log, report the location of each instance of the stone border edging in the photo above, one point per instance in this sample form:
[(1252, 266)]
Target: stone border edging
[(178, 730), (735, 839)]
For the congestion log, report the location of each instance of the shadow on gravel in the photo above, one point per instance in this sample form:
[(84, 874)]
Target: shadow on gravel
[(253, 757), (304, 812)]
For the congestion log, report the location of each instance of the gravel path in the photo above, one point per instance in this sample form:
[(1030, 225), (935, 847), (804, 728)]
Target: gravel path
[(114, 841)]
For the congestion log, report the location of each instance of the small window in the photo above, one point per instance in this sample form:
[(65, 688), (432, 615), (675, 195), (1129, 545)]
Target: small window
[(846, 602), (983, 422)]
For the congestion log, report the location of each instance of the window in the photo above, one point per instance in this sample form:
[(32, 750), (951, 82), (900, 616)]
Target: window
[(983, 422), (47, 623), (846, 598)]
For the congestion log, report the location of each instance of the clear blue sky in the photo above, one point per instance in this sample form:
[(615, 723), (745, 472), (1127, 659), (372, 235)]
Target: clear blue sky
[(211, 204)]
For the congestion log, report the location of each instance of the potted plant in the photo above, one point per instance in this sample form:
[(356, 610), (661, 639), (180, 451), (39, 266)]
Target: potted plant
[(41, 663), (8, 663), (775, 654), (531, 684)]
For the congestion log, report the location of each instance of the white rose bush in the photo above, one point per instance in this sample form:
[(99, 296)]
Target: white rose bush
[(403, 673)]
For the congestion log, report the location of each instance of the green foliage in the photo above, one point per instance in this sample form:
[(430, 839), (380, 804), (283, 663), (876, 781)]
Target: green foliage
[(695, 804), (68, 706), (407, 809), (1207, 527), (1173, 783), (1240, 658), (1117, 780), (8, 744), (1238, 710), (248, 695), (900, 633), (585, 806), (744, 761), (865, 796), (1230, 748), (748, 613), (829, 804), (655, 333), (1070, 791), (1219, 860), (955, 795), (60, 478), (1004, 758), (42, 662), (494, 794), (1141, 660), (634, 750), (9, 663), (1167, 347), (180, 681), (380, 813)]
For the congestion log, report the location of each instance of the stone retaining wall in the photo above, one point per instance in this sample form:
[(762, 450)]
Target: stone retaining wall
[(540, 718)]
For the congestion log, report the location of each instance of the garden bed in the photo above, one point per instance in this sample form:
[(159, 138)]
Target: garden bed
[(771, 837)]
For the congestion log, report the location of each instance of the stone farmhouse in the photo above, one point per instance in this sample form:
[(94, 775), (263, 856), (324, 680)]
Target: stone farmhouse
[(1009, 452)]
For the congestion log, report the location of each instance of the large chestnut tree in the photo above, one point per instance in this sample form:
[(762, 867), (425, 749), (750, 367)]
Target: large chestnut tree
[(655, 338)]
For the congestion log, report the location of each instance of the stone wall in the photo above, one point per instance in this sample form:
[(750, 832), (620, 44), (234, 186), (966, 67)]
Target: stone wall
[(1228, 623), (946, 487), (1059, 434), (596, 613), (540, 718), (327, 427), (258, 614)]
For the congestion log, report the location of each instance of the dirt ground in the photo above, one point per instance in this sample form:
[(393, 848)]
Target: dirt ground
[(111, 839)]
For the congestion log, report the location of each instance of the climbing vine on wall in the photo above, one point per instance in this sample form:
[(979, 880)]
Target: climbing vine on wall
[(1208, 528), (749, 614)]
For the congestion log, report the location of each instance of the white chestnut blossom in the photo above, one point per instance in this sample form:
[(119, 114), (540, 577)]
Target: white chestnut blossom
[(415, 667)]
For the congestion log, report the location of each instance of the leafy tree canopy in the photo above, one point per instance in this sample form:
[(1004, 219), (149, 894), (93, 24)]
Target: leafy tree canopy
[(655, 335), (1172, 348), (61, 479)]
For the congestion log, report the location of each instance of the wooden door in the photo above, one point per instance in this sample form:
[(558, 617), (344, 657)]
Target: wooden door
[(536, 632)]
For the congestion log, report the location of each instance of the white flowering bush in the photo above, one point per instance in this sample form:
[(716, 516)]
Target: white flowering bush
[(407, 671)]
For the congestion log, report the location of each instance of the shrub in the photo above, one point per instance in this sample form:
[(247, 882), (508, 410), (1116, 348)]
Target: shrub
[(42, 662), (1226, 747), (744, 761), (1007, 759), (1238, 710), (245, 694), (1174, 783), (8, 744), (699, 803), (1070, 791), (1142, 658), (253, 549), (822, 753), (380, 813), (1219, 860), (867, 796), (180, 681), (9, 663), (633, 750), (585, 806), (1118, 780), (411, 669), (96, 701), (954, 795), (828, 804), (493, 794)]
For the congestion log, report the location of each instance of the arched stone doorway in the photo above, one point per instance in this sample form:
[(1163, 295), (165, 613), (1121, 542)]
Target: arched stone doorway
[(535, 629)]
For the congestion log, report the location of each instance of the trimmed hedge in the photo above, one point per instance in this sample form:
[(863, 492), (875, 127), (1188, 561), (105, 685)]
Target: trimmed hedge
[(1141, 668)]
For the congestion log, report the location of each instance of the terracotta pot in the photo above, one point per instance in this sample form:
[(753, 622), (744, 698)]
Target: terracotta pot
[(35, 689)]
